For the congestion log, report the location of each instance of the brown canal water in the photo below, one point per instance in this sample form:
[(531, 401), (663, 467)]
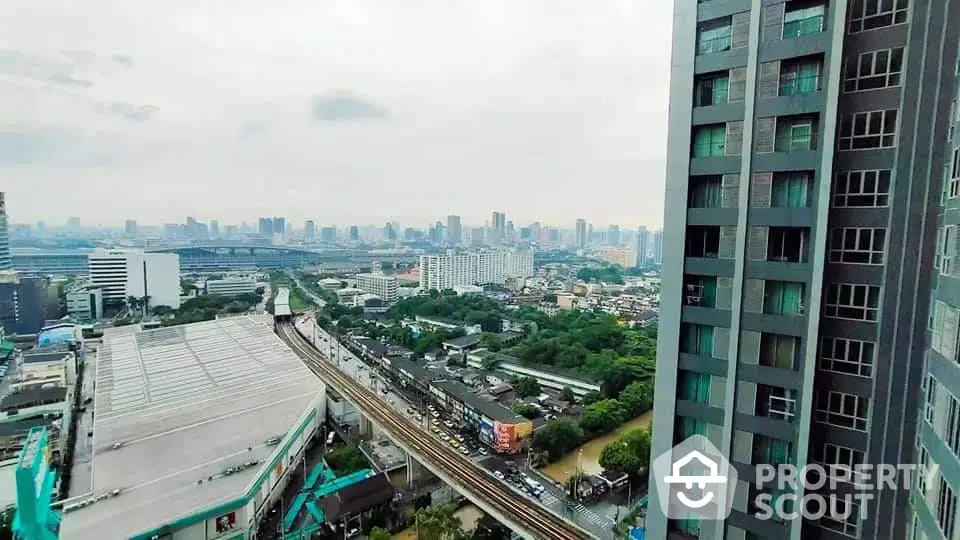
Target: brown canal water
[(564, 468)]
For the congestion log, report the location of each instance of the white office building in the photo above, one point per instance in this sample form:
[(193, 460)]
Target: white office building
[(474, 268), (231, 286), (85, 303), (386, 287), (126, 273)]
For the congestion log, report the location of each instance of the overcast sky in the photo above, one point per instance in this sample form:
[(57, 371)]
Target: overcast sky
[(341, 111)]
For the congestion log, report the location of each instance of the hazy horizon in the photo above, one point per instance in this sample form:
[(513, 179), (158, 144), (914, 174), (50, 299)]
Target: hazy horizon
[(346, 112)]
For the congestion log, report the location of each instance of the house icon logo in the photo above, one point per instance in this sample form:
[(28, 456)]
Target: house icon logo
[(694, 479)]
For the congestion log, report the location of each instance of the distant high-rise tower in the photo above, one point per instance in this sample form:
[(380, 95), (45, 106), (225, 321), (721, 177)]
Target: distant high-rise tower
[(498, 227), (309, 231), (658, 246), (265, 226), (279, 226), (328, 235), (354, 233), (642, 247), (509, 234), (581, 234), (5, 263), (613, 235), (214, 228), (454, 232), (130, 227), (389, 233)]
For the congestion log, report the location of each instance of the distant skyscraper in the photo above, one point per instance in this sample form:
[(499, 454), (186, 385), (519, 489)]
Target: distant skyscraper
[(214, 228), (581, 234), (265, 226), (613, 235), (354, 233), (454, 232), (658, 246), (498, 227), (478, 236), (309, 231), (328, 235), (436, 233), (73, 224), (5, 263), (389, 233), (509, 234), (130, 227), (279, 226), (642, 247)]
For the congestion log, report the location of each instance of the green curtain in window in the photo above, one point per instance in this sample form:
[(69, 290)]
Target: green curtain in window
[(721, 87), (709, 141), (778, 452), (710, 292), (688, 386), (792, 294), (702, 388), (705, 340), (801, 22), (790, 191), (689, 526), (808, 78), (707, 195)]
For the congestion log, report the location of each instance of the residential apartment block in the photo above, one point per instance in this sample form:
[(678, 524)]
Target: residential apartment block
[(807, 143), (386, 287), (126, 273), (479, 267)]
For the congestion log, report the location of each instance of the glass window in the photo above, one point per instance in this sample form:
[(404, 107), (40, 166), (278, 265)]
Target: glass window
[(872, 70), (862, 189), (843, 410), (791, 190), (709, 141), (870, 14), (800, 77), (852, 301), (854, 245), (714, 36), (848, 356), (873, 129), (783, 298), (712, 89), (705, 192)]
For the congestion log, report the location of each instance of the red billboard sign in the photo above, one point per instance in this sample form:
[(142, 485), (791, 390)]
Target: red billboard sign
[(504, 436)]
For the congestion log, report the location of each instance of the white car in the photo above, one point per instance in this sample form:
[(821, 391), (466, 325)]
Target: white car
[(435, 414), (483, 451), (435, 422), (444, 437), (498, 474), (449, 424)]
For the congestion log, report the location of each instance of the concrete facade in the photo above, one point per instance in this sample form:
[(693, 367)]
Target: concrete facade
[(808, 169)]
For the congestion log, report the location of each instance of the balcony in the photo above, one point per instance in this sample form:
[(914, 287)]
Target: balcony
[(693, 387), (791, 190), (795, 134), (696, 339), (784, 298), (700, 291), (709, 141), (776, 403), (779, 351), (788, 244), (711, 89), (771, 451), (801, 77), (715, 36), (705, 192), (803, 19), (702, 242)]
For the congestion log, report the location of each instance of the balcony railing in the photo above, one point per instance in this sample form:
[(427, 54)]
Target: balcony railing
[(792, 86), (714, 45), (804, 27), (794, 143), (712, 149)]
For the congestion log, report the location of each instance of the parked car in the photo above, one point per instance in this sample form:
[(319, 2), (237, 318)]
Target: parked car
[(498, 474)]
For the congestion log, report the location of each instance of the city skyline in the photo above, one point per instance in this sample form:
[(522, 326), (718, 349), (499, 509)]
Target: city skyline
[(522, 109)]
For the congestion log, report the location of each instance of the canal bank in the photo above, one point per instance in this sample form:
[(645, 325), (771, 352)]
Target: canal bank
[(562, 469)]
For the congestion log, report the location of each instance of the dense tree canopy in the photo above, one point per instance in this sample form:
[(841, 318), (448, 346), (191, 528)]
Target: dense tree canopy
[(526, 410), (630, 453), (608, 273), (603, 416), (527, 386), (347, 459), (438, 522), (557, 437)]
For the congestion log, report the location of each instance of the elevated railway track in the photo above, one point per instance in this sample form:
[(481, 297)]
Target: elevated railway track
[(524, 515)]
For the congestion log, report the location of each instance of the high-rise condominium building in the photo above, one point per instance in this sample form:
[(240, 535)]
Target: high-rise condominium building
[(309, 231), (126, 273), (474, 268), (657, 246), (454, 232), (354, 233), (498, 227), (581, 234), (806, 149), (5, 263), (642, 246), (130, 227), (613, 235)]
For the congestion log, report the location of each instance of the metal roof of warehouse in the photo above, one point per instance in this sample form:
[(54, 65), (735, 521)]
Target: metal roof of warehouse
[(490, 409), (186, 403)]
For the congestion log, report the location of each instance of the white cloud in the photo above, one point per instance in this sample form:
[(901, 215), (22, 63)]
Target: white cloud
[(546, 109)]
